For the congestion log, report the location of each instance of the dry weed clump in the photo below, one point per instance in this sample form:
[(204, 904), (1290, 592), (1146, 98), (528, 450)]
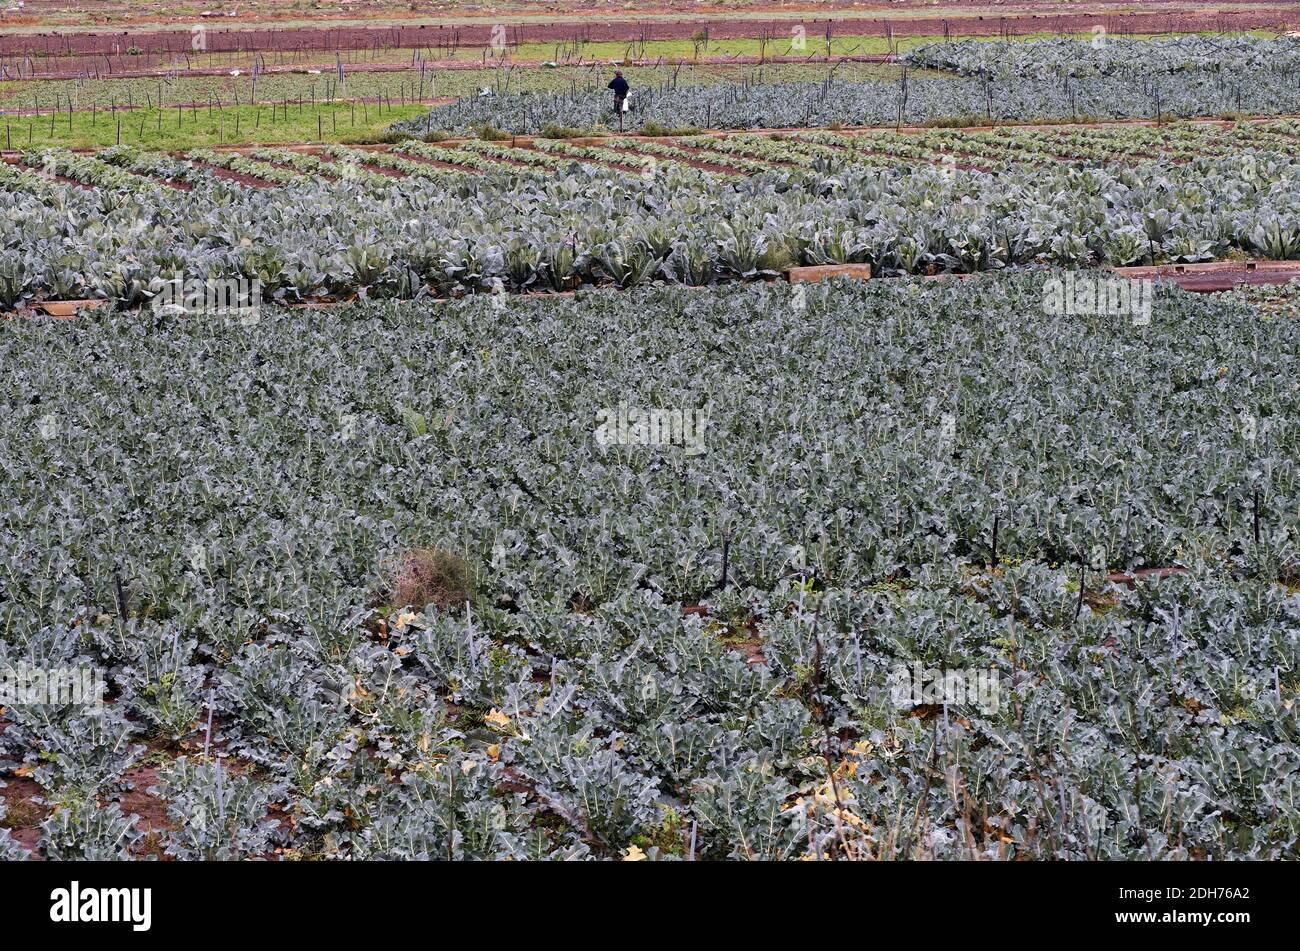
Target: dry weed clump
[(430, 576)]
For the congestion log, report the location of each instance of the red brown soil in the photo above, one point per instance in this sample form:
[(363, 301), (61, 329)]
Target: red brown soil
[(236, 177), (602, 163), (139, 801), (28, 839), (753, 651), (23, 815)]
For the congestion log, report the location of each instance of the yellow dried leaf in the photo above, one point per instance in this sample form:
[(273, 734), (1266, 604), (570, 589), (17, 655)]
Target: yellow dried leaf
[(497, 719), (633, 854), (494, 751)]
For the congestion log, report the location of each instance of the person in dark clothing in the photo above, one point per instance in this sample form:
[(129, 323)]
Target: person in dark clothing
[(620, 87)]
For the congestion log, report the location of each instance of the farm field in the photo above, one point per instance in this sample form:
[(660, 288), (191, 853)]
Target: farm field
[(396, 81), (963, 83), (306, 223), (203, 109), (982, 84), (563, 654), (887, 455)]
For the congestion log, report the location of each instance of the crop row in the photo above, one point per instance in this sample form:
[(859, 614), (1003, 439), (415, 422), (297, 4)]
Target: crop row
[(629, 158), (87, 170), (404, 166), (308, 164), (793, 153), (244, 165), (522, 229), (690, 150), (988, 150), (479, 160)]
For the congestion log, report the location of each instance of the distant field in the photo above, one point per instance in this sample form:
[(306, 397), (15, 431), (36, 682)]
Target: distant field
[(96, 106)]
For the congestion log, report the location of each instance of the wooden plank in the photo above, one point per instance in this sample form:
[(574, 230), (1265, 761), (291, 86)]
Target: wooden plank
[(1213, 276), (1143, 574), (68, 308), (810, 275)]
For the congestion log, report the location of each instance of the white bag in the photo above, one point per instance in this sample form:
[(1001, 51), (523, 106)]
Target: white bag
[(625, 103)]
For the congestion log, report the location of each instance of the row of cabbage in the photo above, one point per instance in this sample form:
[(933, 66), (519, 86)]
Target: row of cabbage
[(1103, 55), (1010, 98), (519, 230), (863, 446)]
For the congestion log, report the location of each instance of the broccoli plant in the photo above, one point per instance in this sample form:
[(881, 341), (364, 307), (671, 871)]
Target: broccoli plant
[(88, 833), (216, 815)]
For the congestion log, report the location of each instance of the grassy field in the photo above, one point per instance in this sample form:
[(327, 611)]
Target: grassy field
[(184, 128)]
